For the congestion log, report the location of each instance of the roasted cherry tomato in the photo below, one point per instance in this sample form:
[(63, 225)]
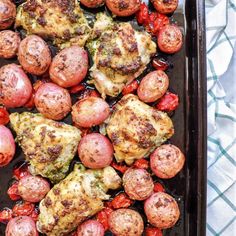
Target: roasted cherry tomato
[(158, 188), (142, 15), (160, 64), (5, 215), (169, 102), (121, 201), (35, 214), (4, 116), (160, 21), (120, 167), (151, 231), (103, 216), (141, 163), (130, 88), (21, 171), (23, 209), (13, 192), (77, 88)]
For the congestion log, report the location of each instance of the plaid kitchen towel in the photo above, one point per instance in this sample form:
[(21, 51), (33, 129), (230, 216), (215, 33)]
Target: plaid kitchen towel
[(221, 102)]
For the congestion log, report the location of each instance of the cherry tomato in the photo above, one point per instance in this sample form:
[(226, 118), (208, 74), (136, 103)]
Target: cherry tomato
[(169, 102), (158, 188), (121, 201), (4, 116), (103, 216), (5, 215), (130, 88), (151, 231), (141, 163), (21, 171), (13, 192), (23, 209), (160, 21), (160, 64), (120, 167), (142, 15), (35, 214), (77, 88)]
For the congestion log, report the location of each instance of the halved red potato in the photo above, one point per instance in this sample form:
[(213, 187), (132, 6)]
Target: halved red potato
[(92, 3), (69, 67), (90, 228), (165, 6), (153, 86), (123, 7), (7, 13)]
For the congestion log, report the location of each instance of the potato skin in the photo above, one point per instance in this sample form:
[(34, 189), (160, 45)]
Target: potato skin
[(53, 101), (69, 67), (138, 184), (90, 228), (33, 188), (123, 222), (21, 226), (123, 7), (34, 55), (95, 151), (167, 161), (170, 39), (9, 43), (15, 86), (153, 86), (7, 14), (92, 3), (90, 111), (165, 6), (162, 210)]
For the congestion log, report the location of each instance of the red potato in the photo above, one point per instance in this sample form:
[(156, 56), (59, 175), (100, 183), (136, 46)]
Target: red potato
[(167, 161), (53, 101), (90, 228), (7, 146), (92, 3), (95, 151), (165, 6), (21, 226), (123, 222), (7, 14), (90, 111), (162, 210), (34, 55), (33, 188), (69, 67), (123, 7), (9, 43), (138, 184), (15, 86), (153, 86), (170, 39)]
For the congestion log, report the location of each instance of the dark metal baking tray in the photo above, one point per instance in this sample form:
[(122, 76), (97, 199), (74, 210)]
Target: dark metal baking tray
[(188, 80)]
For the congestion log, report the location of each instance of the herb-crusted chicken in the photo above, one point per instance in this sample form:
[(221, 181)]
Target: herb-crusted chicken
[(75, 198), (48, 145), (60, 20), (136, 129), (120, 54)]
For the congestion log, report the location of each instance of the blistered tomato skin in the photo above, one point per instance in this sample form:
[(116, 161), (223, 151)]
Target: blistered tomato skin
[(92, 3), (90, 228), (153, 86), (4, 116), (9, 43), (123, 7), (7, 146), (15, 86), (69, 67), (33, 188), (21, 226), (167, 161), (125, 222), (53, 101), (90, 111), (162, 210), (165, 6), (138, 184), (95, 151), (34, 55), (7, 14), (170, 39)]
